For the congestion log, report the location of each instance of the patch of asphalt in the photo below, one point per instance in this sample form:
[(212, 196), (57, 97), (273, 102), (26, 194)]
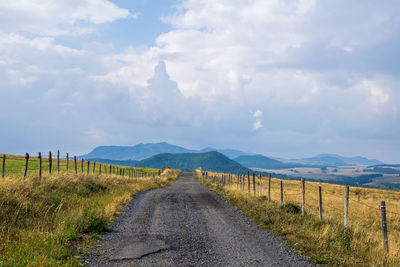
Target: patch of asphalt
[(187, 225)]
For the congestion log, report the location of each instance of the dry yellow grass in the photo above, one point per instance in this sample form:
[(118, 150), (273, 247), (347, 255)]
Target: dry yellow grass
[(47, 222), (364, 216)]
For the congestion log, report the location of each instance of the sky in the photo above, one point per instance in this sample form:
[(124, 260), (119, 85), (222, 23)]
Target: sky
[(284, 78)]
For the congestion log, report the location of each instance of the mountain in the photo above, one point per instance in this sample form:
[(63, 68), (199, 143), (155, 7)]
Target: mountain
[(326, 159), (337, 160), (210, 161), (138, 152), (143, 151), (361, 160), (263, 162), (230, 153)]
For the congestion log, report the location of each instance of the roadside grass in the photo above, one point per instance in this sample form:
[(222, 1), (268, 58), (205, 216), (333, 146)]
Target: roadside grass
[(323, 241), (15, 166), (49, 222)]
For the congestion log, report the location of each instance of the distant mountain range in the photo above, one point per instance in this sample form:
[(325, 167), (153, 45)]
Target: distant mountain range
[(144, 154), (333, 159), (263, 162), (323, 160), (210, 161), (143, 151), (137, 152)]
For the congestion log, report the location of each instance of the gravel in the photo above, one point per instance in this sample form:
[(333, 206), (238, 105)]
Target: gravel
[(187, 225)]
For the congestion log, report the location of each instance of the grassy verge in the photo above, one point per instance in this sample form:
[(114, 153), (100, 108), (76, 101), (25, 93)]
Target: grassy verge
[(47, 222), (322, 241), (14, 166)]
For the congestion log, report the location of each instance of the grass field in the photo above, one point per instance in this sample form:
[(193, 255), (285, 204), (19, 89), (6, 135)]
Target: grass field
[(324, 241), (50, 222), (15, 166)]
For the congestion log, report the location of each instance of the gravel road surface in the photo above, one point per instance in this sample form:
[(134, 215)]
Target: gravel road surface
[(187, 225)]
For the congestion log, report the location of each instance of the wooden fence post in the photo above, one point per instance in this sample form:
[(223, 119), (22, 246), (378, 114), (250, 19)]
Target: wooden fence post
[(346, 206), (88, 167), (281, 192), (40, 165), (67, 162), (110, 170), (58, 161), (269, 187), (320, 201), (100, 169), (303, 199), (94, 167), (82, 166), (254, 184), (248, 181), (384, 227), (50, 162), (3, 166), (76, 166), (26, 164), (260, 177)]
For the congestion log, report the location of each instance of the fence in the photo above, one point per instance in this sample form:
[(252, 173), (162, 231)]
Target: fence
[(12, 165), (357, 208)]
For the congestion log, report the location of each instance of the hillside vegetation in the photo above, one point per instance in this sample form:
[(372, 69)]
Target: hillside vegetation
[(260, 161), (324, 241), (212, 161), (50, 221)]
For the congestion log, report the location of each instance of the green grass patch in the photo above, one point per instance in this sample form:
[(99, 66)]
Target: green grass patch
[(49, 222), (323, 242)]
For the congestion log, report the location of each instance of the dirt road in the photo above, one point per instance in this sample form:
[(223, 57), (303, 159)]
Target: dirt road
[(187, 225)]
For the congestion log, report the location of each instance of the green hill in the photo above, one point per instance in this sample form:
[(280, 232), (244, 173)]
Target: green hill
[(210, 161), (260, 161)]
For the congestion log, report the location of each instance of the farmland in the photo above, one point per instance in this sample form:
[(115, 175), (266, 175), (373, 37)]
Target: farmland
[(323, 240), (50, 220)]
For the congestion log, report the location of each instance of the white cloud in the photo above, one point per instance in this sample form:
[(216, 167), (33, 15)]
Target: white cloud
[(318, 80), (53, 18), (257, 125), (257, 114)]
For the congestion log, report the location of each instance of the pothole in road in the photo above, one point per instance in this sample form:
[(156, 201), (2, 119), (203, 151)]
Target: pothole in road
[(137, 250)]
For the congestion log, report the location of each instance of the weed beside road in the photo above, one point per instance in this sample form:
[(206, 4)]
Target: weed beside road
[(322, 241), (49, 222)]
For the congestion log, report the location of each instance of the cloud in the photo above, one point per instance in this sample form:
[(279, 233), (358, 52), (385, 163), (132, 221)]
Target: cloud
[(257, 114), (322, 84), (54, 18), (257, 123)]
